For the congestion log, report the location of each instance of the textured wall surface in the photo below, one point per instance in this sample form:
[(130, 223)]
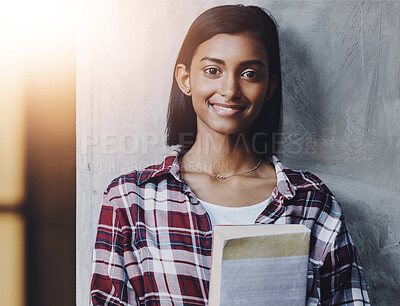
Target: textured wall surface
[(341, 110)]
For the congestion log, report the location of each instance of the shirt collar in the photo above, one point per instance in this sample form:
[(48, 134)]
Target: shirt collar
[(285, 186), (170, 165)]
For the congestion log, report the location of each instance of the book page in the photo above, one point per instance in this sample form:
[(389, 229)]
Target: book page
[(264, 281)]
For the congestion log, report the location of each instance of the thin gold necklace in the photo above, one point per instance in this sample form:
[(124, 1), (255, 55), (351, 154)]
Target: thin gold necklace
[(221, 177)]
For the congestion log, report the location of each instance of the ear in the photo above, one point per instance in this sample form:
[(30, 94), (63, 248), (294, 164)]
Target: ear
[(271, 87), (182, 77)]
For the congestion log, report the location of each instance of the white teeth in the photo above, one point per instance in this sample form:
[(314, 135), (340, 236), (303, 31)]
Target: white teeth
[(226, 108)]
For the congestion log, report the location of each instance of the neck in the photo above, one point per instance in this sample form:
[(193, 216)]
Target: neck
[(222, 154)]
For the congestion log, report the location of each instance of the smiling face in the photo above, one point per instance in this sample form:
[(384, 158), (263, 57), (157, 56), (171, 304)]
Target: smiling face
[(228, 82)]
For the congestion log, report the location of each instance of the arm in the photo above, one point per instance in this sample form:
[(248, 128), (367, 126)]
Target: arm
[(335, 273), (109, 284), (342, 277)]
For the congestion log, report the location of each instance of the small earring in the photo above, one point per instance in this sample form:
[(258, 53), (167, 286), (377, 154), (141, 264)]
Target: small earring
[(188, 90)]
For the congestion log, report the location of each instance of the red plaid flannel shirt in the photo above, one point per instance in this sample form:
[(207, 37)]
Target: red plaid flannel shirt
[(153, 244)]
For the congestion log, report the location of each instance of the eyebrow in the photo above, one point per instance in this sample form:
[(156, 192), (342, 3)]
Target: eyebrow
[(245, 63)]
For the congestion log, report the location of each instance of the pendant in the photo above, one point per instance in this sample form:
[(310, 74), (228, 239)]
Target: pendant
[(220, 177)]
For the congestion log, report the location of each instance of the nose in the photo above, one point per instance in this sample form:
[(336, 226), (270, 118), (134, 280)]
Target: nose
[(230, 87)]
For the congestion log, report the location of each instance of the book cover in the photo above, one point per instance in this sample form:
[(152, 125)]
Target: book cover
[(259, 265)]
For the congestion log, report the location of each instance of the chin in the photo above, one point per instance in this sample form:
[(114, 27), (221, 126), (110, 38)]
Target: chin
[(229, 130)]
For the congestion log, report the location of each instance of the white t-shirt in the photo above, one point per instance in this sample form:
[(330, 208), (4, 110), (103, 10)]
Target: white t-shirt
[(222, 215)]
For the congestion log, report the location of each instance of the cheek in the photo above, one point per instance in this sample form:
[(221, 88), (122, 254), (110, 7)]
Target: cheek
[(256, 94), (202, 90)]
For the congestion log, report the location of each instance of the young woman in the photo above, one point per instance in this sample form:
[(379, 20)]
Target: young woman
[(154, 236)]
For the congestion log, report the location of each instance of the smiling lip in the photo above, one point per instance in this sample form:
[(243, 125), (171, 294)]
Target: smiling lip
[(226, 109)]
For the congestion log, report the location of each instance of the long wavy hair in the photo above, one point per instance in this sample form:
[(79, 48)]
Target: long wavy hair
[(227, 19)]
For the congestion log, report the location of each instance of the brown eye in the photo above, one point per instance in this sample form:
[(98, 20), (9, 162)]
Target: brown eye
[(251, 75), (211, 71)]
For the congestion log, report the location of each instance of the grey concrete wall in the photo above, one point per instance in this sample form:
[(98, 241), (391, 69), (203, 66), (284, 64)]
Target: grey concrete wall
[(341, 117), (342, 120)]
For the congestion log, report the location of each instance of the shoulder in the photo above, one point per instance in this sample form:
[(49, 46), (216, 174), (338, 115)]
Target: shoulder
[(306, 181), (138, 181), (126, 196), (298, 180), (314, 194), (131, 177), (306, 195), (131, 181)]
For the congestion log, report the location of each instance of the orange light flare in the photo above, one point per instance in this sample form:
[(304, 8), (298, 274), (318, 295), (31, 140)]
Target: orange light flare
[(37, 53)]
